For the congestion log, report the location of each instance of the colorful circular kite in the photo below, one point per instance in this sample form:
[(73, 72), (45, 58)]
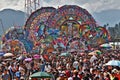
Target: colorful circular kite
[(19, 34), (58, 26), (36, 26), (36, 23), (70, 13), (15, 33), (13, 46)]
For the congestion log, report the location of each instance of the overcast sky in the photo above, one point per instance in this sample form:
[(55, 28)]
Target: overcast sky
[(90, 5)]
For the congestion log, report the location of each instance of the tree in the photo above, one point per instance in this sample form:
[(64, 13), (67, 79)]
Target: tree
[(114, 31)]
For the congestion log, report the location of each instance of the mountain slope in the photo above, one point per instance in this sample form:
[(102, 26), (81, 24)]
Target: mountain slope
[(10, 18)]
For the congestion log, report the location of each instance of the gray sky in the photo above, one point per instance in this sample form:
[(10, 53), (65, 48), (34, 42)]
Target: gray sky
[(90, 5)]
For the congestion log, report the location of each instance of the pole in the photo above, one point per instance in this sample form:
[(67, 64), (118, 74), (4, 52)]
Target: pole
[(3, 33), (2, 26), (0, 42)]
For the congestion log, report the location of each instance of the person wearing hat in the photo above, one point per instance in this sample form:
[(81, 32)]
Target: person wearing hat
[(116, 75)]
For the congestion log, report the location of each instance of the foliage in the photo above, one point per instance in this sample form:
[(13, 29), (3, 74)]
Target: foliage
[(114, 31)]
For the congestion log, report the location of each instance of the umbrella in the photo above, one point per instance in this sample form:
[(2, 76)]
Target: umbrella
[(62, 45), (1, 53), (40, 75), (28, 59), (36, 56), (96, 52), (65, 54), (106, 46), (72, 50), (113, 63), (9, 59), (21, 57), (8, 55), (50, 50)]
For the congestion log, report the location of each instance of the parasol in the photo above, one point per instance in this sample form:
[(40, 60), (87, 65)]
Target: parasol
[(113, 63), (28, 59), (96, 52), (65, 54), (36, 56), (106, 45), (40, 75), (8, 55)]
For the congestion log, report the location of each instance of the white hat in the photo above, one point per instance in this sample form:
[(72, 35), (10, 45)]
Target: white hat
[(115, 71), (22, 77)]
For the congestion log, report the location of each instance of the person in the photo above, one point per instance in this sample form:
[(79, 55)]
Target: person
[(61, 76), (42, 66), (0, 74), (116, 78), (11, 71), (107, 77), (76, 75), (5, 75), (18, 75), (69, 74)]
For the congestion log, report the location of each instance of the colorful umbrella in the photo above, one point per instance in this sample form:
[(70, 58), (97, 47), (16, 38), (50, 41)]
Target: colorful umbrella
[(40, 75), (96, 52), (106, 45), (113, 63)]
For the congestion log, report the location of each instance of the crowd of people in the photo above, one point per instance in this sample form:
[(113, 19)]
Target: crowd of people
[(77, 66)]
